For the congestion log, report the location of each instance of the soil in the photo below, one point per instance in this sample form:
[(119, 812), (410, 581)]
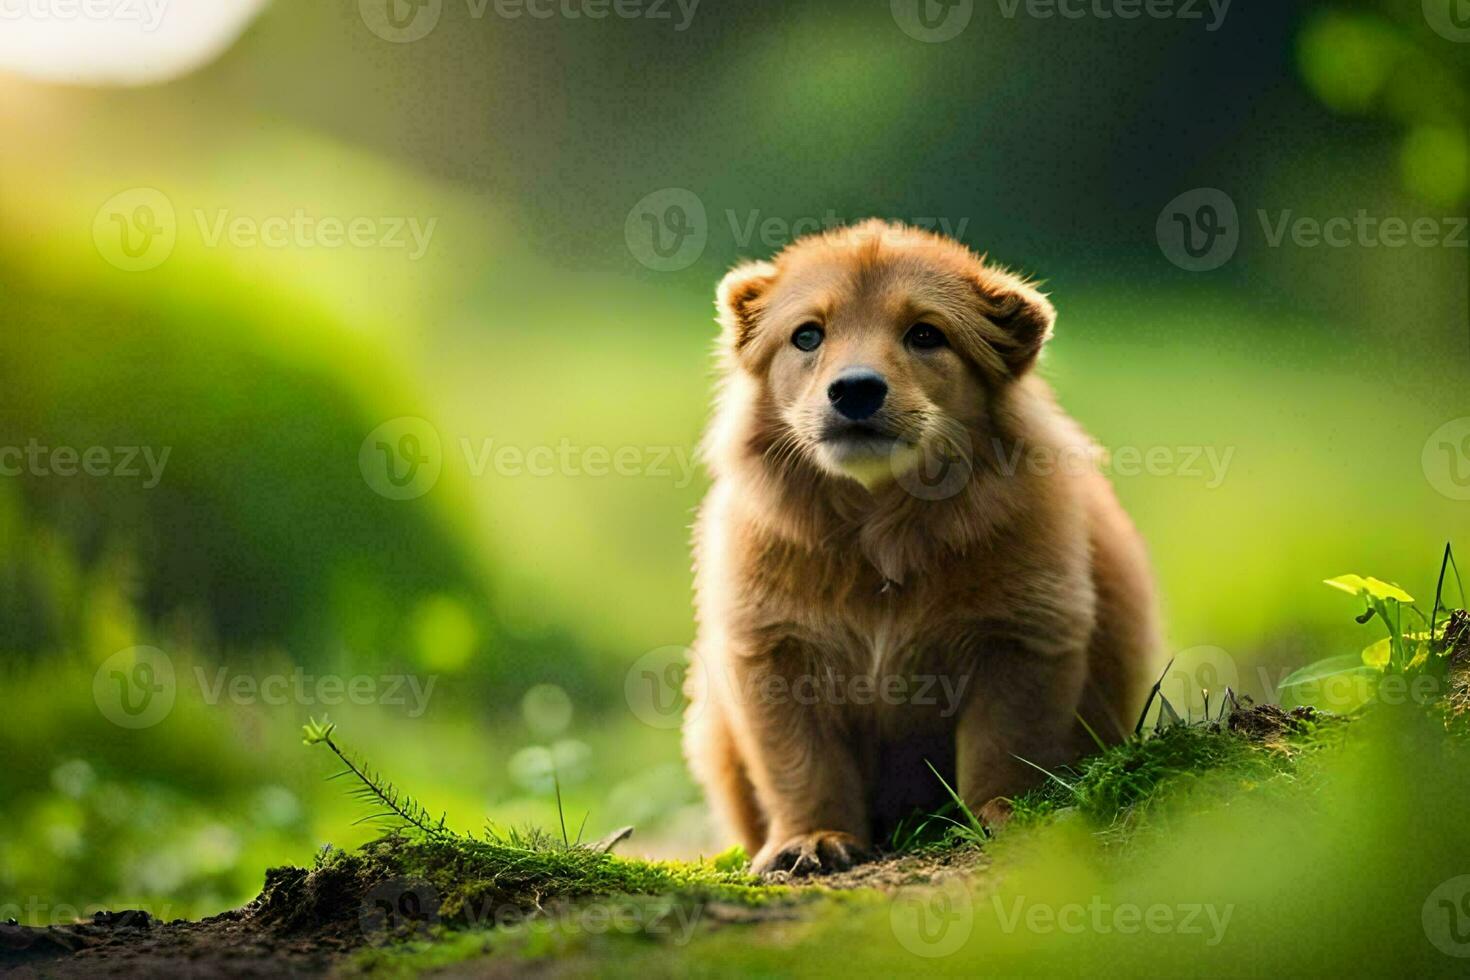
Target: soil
[(304, 924)]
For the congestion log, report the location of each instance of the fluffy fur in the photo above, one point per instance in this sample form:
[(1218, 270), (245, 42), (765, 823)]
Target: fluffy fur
[(954, 584)]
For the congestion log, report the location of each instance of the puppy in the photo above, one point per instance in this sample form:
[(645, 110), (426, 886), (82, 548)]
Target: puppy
[(909, 557)]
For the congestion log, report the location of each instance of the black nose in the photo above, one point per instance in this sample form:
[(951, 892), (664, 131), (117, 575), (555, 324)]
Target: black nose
[(858, 394)]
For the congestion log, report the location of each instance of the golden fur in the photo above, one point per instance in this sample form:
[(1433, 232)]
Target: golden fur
[(955, 589)]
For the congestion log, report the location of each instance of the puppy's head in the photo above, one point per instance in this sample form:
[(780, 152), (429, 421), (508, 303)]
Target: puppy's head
[(875, 347)]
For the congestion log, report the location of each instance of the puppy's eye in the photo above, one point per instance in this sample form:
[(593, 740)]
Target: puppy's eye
[(808, 337), (925, 336)]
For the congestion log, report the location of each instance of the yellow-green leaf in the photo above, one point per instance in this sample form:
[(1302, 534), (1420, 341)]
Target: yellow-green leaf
[(1378, 589), (1377, 655), (1351, 584), (1383, 590)]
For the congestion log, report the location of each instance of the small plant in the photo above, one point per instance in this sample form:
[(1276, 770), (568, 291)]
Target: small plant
[(498, 869), (398, 807), (1406, 652)]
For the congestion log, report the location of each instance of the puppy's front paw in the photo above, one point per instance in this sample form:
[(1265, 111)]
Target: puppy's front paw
[(819, 852)]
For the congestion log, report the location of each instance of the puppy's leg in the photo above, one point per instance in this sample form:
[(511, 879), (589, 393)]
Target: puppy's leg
[(709, 744), (1024, 708), (803, 764)]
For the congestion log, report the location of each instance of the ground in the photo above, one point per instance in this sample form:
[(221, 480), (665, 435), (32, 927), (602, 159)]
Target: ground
[(416, 902)]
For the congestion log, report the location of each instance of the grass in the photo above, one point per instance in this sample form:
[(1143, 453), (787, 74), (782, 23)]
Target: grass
[(466, 880), (451, 896)]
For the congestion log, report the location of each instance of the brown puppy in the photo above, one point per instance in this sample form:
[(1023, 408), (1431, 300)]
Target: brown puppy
[(908, 556)]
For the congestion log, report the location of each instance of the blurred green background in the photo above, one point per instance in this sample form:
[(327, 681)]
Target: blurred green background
[(534, 599)]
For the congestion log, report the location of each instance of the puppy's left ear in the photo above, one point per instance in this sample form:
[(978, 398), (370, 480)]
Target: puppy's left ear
[(1023, 315), (739, 300)]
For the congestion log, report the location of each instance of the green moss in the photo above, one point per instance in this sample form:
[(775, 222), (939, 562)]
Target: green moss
[(1116, 787)]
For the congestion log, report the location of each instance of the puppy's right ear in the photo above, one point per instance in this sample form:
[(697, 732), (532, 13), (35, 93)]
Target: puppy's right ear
[(740, 298)]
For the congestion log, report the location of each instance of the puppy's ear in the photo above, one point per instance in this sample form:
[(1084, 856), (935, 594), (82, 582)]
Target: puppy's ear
[(740, 297), (1023, 315)]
